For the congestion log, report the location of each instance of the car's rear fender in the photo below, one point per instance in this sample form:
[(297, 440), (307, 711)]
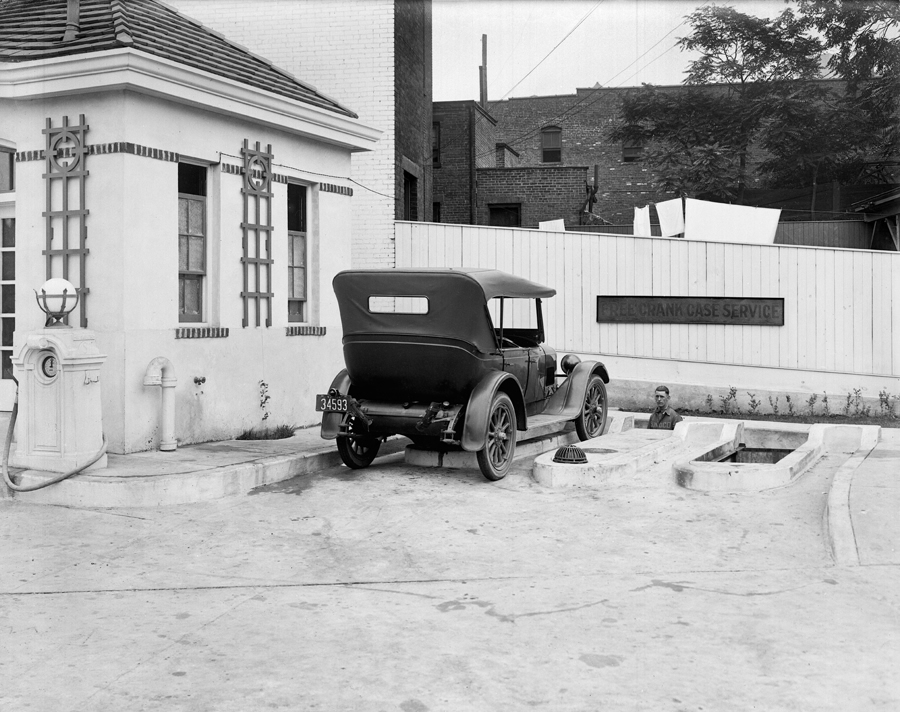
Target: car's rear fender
[(569, 398), (479, 406), (331, 422)]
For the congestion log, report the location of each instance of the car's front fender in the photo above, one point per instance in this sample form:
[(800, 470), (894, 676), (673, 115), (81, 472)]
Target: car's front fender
[(569, 398), (331, 422), (479, 407)]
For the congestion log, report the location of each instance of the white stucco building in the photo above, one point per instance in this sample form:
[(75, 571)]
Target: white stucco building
[(195, 194)]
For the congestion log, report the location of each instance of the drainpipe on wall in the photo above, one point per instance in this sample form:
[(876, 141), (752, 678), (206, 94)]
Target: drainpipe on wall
[(161, 372), (73, 20)]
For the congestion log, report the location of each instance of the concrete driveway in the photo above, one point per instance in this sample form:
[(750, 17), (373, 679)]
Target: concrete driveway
[(412, 589)]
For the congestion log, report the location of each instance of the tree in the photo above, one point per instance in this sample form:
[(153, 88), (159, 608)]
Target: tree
[(746, 63), (753, 94), (862, 39)]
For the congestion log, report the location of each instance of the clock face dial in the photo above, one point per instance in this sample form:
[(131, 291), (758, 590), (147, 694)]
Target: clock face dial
[(49, 366)]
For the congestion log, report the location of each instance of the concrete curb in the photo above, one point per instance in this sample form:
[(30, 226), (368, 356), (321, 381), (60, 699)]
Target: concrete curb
[(838, 523), (111, 491)]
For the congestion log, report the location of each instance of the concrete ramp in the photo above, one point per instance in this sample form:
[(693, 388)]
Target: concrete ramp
[(708, 472), (625, 452)]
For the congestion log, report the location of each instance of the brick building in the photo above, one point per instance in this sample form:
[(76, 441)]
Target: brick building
[(480, 180), (374, 56)]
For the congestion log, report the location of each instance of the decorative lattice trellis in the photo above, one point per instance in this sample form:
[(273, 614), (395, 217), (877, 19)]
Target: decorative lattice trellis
[(66, 213), (257, 229)]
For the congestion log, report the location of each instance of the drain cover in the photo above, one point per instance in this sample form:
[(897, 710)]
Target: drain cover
[(570, 455)]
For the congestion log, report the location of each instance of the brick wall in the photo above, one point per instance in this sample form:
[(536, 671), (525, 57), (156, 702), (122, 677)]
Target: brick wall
[(346, 50), (412, 86), (585, 118), (545, 193), (453, 180)]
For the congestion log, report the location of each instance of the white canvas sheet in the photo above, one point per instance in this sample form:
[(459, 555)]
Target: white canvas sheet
[(554, 225), (671, 217), (719, 222), (642, 222)]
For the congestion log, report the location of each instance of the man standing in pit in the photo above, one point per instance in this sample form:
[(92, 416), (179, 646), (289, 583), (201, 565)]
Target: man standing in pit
[(664, 417)]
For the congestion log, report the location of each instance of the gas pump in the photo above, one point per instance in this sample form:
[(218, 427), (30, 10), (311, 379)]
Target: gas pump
[(59, 408)]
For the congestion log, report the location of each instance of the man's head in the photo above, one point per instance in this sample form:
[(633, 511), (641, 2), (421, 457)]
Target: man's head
[(662, 397)]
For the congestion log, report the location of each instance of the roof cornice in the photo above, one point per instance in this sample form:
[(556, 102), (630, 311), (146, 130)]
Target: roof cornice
[(127, 68)]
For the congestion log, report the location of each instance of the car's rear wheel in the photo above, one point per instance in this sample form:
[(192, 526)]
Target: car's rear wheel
[(591, 422), (357, 451), (496, 457)]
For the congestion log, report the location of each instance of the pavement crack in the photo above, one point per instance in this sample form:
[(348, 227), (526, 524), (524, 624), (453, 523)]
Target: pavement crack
[(679, 587)]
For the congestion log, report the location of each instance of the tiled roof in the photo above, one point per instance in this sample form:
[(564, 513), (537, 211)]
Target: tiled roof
[(34, 29)]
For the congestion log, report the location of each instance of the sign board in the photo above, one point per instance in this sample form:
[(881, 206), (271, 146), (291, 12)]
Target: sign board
[(735, 311)]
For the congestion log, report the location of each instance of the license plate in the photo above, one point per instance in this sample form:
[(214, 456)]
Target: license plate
[(332, 404)]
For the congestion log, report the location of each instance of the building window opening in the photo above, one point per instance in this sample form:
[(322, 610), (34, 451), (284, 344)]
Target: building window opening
[(7, 170), (297, 253), (551, 145), (632, 151), (435, 212), (191, 241), (505, 214), (436, 144), (410, 196)]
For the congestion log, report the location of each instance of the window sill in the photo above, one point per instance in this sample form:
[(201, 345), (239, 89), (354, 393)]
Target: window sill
[(201, 332), (304, 331)]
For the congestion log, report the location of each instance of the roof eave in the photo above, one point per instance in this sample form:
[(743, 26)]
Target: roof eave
[(145, 73)]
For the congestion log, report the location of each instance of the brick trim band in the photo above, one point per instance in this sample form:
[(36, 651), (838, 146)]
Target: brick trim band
[(305, 331), (201, 332), (134, 149)]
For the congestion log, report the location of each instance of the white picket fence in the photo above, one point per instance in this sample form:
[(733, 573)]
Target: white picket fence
[(842, 307)]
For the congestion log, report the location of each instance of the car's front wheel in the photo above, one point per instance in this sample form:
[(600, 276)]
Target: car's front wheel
[(496, 457), (591, 422), (357, 452)]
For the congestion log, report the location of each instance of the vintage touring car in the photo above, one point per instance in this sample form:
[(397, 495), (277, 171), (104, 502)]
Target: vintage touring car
[(452, 358)]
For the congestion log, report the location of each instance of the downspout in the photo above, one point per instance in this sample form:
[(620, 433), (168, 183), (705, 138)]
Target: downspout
[(472, 190), (73, 20), (161, 372)]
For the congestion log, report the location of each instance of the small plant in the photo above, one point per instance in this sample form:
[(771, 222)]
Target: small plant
[(709, 403), (885, 406), (279, 432), (826, 410), (790, 406), (264, 400), (848, 403), (729, 402), (811, 404), (773, 404), (754, 403)]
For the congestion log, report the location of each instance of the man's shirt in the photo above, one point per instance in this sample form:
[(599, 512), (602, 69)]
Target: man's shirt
[(665, 420)]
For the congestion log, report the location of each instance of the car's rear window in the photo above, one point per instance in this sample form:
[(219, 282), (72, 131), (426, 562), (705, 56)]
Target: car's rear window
[(398, 305)]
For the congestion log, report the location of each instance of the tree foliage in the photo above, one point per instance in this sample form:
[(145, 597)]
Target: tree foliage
[(754, 87)]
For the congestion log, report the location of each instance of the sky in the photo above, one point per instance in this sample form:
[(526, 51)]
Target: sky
[(617, 43)]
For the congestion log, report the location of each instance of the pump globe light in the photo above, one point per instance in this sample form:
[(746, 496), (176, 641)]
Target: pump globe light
[(56, 299)]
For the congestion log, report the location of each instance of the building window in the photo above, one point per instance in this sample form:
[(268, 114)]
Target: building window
[(7, 170), (297, 253), (191, 241), (435, 212), (551, 144), (505, 214), (632, 151), (410, 196), (436, 144)]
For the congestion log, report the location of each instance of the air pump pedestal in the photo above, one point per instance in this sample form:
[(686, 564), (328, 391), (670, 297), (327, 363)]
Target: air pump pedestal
[(60, 425)]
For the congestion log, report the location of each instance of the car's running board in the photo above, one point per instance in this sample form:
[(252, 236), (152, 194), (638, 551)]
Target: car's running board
[(542, 425)]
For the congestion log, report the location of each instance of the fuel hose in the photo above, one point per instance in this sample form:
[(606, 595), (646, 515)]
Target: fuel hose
[(59, 478)]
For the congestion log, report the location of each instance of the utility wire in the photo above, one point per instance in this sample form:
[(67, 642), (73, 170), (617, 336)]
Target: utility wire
[(568, 34)]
